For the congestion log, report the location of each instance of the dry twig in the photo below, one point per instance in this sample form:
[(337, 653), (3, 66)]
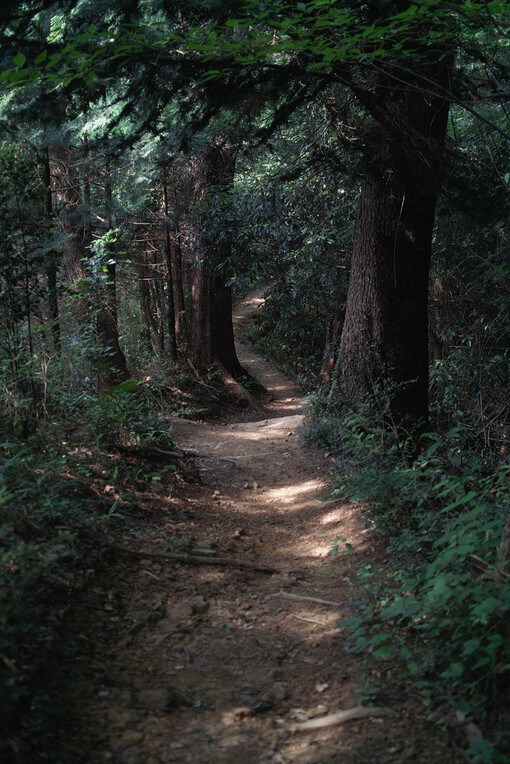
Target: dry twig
[(307, 599), (358, 712)]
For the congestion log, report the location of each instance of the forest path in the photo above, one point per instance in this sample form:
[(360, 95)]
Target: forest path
[(213, 664)]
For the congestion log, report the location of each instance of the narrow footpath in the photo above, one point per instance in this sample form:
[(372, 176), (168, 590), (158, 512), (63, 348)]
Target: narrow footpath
[(202, 664)]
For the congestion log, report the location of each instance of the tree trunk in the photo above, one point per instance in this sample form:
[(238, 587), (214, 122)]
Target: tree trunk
[(178, 282), (67, 194), (114, 370), (172, 334), (223, 341), (384, 346), (212, 331), (145, 306), (51, 268), (212, 328)]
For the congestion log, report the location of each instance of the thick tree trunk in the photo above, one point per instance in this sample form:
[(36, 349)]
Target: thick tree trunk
[(223, 330), (212, 332), (384, 346)]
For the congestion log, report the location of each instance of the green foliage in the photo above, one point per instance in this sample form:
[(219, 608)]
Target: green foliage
[(42, 565), (437, 613)]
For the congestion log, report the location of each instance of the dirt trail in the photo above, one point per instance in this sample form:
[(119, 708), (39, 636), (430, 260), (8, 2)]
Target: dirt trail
[(208, 664)]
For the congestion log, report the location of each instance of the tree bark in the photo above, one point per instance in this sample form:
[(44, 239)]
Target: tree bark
[(172, 333), (212, 330), (384, 345), (114, 370), (51, 268), (67, 194), (148, 321)]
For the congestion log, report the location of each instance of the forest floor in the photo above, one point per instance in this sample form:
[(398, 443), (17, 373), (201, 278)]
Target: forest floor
[(208, 663)]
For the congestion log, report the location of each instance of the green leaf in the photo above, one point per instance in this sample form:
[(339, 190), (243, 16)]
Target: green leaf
[(378, 638), (124, 387), (454, 671), (487, 607), (41, 57), (470, 646), (19, 59), (383, 651)]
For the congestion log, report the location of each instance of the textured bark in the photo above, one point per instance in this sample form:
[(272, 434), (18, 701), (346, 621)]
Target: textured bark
[(178, 283), (170, 291), (67, 195), (384, 346), (222, 328), (51, 266), (212, 328), (212, 333), (114, 370), (148, 320)]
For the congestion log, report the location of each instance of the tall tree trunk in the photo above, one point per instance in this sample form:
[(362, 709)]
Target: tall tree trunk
[(67, 194), (172, 335), (222, 327), (212, 329), (384, 346), (114, 369), (145, 306), (51, 268), (178, 282)]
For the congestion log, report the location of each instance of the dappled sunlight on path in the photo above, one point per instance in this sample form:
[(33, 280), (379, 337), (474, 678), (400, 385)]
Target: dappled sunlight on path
[(220, 661)]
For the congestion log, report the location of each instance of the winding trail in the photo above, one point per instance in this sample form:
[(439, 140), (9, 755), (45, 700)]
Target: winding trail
[(209, 664)]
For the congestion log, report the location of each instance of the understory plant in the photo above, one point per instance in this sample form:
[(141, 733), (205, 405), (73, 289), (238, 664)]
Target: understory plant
[(436, 613)]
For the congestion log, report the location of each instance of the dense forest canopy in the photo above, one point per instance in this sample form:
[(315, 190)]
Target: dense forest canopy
[(158, 159)]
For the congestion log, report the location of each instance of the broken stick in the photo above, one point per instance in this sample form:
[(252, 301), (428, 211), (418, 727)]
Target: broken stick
[(358, 712), (308, 599)]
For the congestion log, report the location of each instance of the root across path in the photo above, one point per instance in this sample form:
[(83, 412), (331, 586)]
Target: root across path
[(218, 663)]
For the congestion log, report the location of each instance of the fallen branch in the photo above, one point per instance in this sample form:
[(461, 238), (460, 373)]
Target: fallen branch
[(152, 451), (192, 559), (308, 620), (308, 599), (358, 712)]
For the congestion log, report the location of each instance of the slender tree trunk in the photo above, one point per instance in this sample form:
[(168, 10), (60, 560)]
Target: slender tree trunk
[(51, 268), (384, 346), (114, 370), (67, 194), (145, 307), (178, 282), (172, 335)]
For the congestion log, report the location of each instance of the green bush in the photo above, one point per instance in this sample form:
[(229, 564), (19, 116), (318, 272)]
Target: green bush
[(437, 613), (42, 564)]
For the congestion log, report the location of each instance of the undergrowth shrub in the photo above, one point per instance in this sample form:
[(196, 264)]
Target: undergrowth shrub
[(42, 564), (437, 614)]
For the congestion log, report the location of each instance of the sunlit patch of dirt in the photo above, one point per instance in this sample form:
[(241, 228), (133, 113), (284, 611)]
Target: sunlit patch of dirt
[(205, 664)]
